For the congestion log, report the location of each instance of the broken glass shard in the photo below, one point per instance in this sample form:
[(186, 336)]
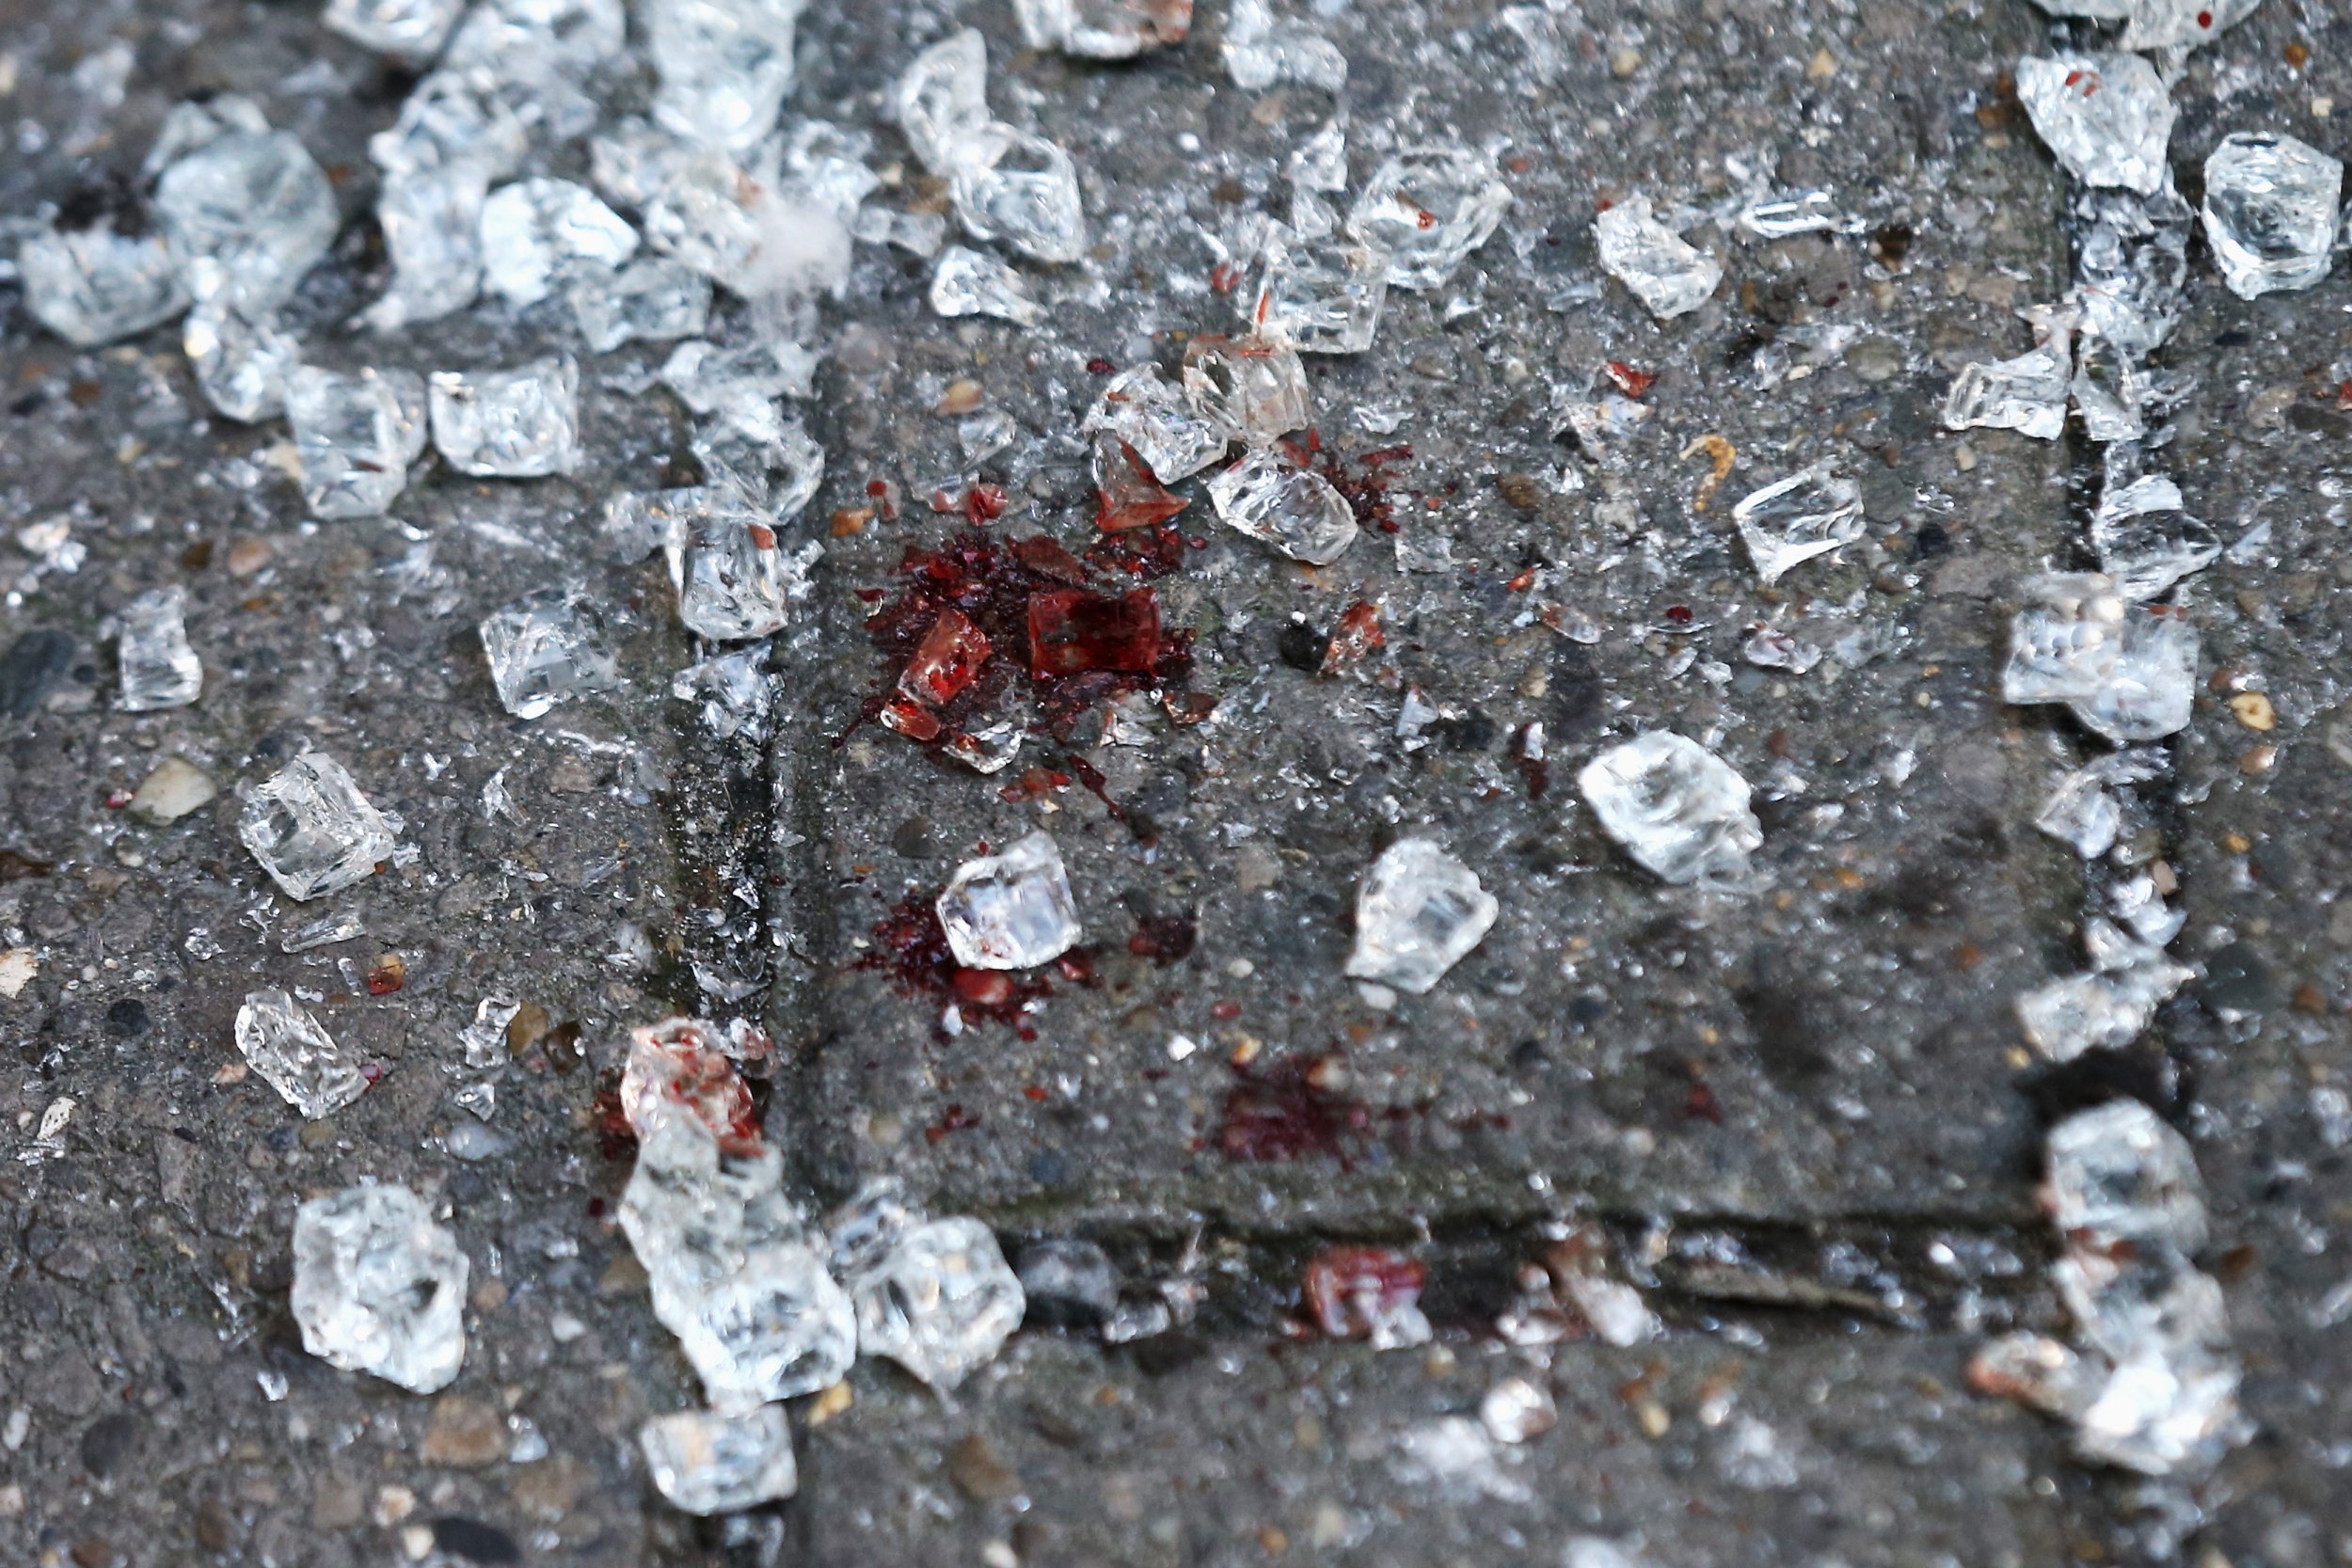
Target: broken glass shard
[(1777, 217), (545, 648), (537, 233), (1322, 297), (653, 300), (734, 579), (2118, 1173), (939, 1301), (159, 669), (2270, 211), (1254, 386), (1771, 648), (742, 383), (941, 102), (258, 207), (479, 1100), (2152, 684), (379, 1288), (2145, 542), (92, 286), (311, 829), (190, 125), (1516, 1410), (2065, 642), (412, 30), (296, 1056), (725, 66), (2103, 1011), (706, 213), (636, 523), (241, 363), (1103, 29), (1428, 208), (432, 225), (1126, 495), (2082, 814), (1021, 190), (1012, 909), (451, 120), (1665, 272), (1419, 913), (538, 36), (356, 435), (2130, 263), (967, 283), (734, 691), (484, 1041), (1320, 161), (732, 1270), (1295, 510), (2181, 25), (2171, 1406), (1804, 515), (1261, 50), (2026, 394), (2105, 117), (1163, 423), (771, 462), (713, 1463), (1677, 808), (520, 423)]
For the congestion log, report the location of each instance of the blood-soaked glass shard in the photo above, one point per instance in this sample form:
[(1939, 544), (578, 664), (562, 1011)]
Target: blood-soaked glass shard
[(911, 719), (1047, 559), (948, 659), (1127, 495), (1367, 1292), (1072, 631)]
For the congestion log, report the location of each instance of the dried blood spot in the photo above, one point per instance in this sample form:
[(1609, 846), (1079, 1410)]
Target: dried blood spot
[(1164, 939), (1288, 1113), (1072, 631), (910, 946)]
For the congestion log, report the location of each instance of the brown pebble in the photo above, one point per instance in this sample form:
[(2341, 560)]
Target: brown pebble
[(463, 1434), (247, 556), (963, 396), (94, 1551), (2254, 711), (980, 1472), (1523, 491), (526, 1028)]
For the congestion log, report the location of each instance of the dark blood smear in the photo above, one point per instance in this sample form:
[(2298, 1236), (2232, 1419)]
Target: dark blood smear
[(1363, 481), (911, 948), (1164, 939), (1279, 1114), (615, 1138)]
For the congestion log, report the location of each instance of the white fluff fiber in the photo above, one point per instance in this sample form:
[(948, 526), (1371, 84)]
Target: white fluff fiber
[(803, 248)]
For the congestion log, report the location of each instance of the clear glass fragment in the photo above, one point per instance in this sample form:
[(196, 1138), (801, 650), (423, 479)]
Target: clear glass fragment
[(520, 423), (356, 435), (1020, 190), (1808, 513), (725, 66), (1261, 50), (545, 648), (1664, 271), (241, 363), (968, 283), (2270, 211), (941, 102), (379, 1287), (158, 667), (1254, 386), (735, 579), (735, 691), (1275, 502), (282, 1042), (710, 1464), (1428, 208), (2144, 540), (653, 299), (1163, 422), (432, 227), (484, 1041), (2026, 394), (1322, 297), (255, 206), (537, 233), (2105, 117), (1417, 914), (939, 1301), (311, 829), (1677, 808), (1012, 909), (94, 285), (411, 30)]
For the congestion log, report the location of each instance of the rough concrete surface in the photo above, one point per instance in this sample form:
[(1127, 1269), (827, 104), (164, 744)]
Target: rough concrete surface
[(1821, 1083)]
